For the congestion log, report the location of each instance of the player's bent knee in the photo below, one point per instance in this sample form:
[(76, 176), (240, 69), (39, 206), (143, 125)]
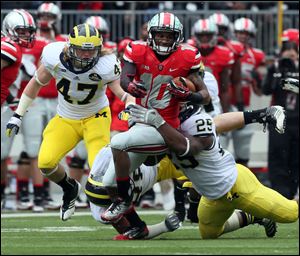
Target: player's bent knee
[(118, 143), (209, 232), (47, 162), (47, 172)]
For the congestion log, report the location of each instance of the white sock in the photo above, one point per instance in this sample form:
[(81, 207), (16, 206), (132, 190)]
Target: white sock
[(233, 222), (156, 230)]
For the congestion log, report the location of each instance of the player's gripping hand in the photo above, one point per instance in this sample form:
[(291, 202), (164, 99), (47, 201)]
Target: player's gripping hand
[(137, 89), (13, 125), (290, 84), (140, 114), (179, 88)]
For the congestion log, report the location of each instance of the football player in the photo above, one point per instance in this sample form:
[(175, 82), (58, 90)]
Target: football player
[(130, 225), (223, 184), (251, 60), (216, 58), (18, 30), (148, 68), (82, 72), (77, 158)]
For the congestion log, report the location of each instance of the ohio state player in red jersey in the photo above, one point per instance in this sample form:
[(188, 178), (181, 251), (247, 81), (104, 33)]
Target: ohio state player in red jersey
[(18, 28), (224, 31), (251, 60), (19, 31), (216, 59), (149, 68)]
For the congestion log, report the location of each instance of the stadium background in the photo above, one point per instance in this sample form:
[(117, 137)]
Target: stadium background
[(125, 18)]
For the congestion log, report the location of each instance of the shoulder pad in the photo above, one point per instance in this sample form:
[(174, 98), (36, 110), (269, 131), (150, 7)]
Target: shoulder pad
[(135, 51)]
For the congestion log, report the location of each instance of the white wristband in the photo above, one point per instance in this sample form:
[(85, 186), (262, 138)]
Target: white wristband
[(38, 80), (124, 97), (187, 147), (24, 103)]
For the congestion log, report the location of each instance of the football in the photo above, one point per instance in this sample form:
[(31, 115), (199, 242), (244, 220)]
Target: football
[(185, 82)]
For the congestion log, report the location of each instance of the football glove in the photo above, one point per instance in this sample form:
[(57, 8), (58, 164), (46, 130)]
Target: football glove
[(140, 114), (13, 125), (179, 90), (290, 84), (137, 89), (124, 115)]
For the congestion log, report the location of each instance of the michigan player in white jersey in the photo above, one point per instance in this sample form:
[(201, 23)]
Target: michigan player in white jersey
[(223, 184), (142, 179), (82, 72)]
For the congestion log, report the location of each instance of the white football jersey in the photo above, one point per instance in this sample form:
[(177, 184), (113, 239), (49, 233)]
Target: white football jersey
[(213, 171), (81, 94), (142, 178), (213, 89)]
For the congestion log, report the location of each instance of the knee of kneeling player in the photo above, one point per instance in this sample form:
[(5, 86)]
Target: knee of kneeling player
[(207, 232)]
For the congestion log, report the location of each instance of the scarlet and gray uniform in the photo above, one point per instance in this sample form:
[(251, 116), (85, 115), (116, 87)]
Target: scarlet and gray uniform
[(142, 139)]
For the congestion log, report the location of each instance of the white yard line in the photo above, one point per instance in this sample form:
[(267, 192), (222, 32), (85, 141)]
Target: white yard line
[(85, 213)]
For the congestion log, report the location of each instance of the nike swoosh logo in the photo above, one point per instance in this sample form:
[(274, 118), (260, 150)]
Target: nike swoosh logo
[(171, 69)]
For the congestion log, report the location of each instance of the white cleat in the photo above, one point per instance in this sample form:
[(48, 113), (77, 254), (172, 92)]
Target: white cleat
[(275, 115)]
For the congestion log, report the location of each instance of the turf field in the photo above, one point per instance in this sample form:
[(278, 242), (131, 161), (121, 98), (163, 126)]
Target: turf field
[(41, 234)]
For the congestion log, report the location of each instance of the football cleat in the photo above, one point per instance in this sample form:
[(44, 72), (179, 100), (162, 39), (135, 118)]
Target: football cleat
[(24, 204), (68, 207), (275, 116), (133, 234), (116, 210), (38, 205), (172, 222), (269, 225)]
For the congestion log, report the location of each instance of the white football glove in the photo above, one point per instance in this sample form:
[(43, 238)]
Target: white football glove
[(290, 84), (13, 125), (140, 114)]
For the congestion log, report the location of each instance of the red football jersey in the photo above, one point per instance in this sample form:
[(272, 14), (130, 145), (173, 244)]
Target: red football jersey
[(116, 106), (156, 75), (50, 91), (236, 47), (220, 58), (10, 52), (251, 59)]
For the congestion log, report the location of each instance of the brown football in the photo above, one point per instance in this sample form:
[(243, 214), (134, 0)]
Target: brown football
[(186, 82)]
